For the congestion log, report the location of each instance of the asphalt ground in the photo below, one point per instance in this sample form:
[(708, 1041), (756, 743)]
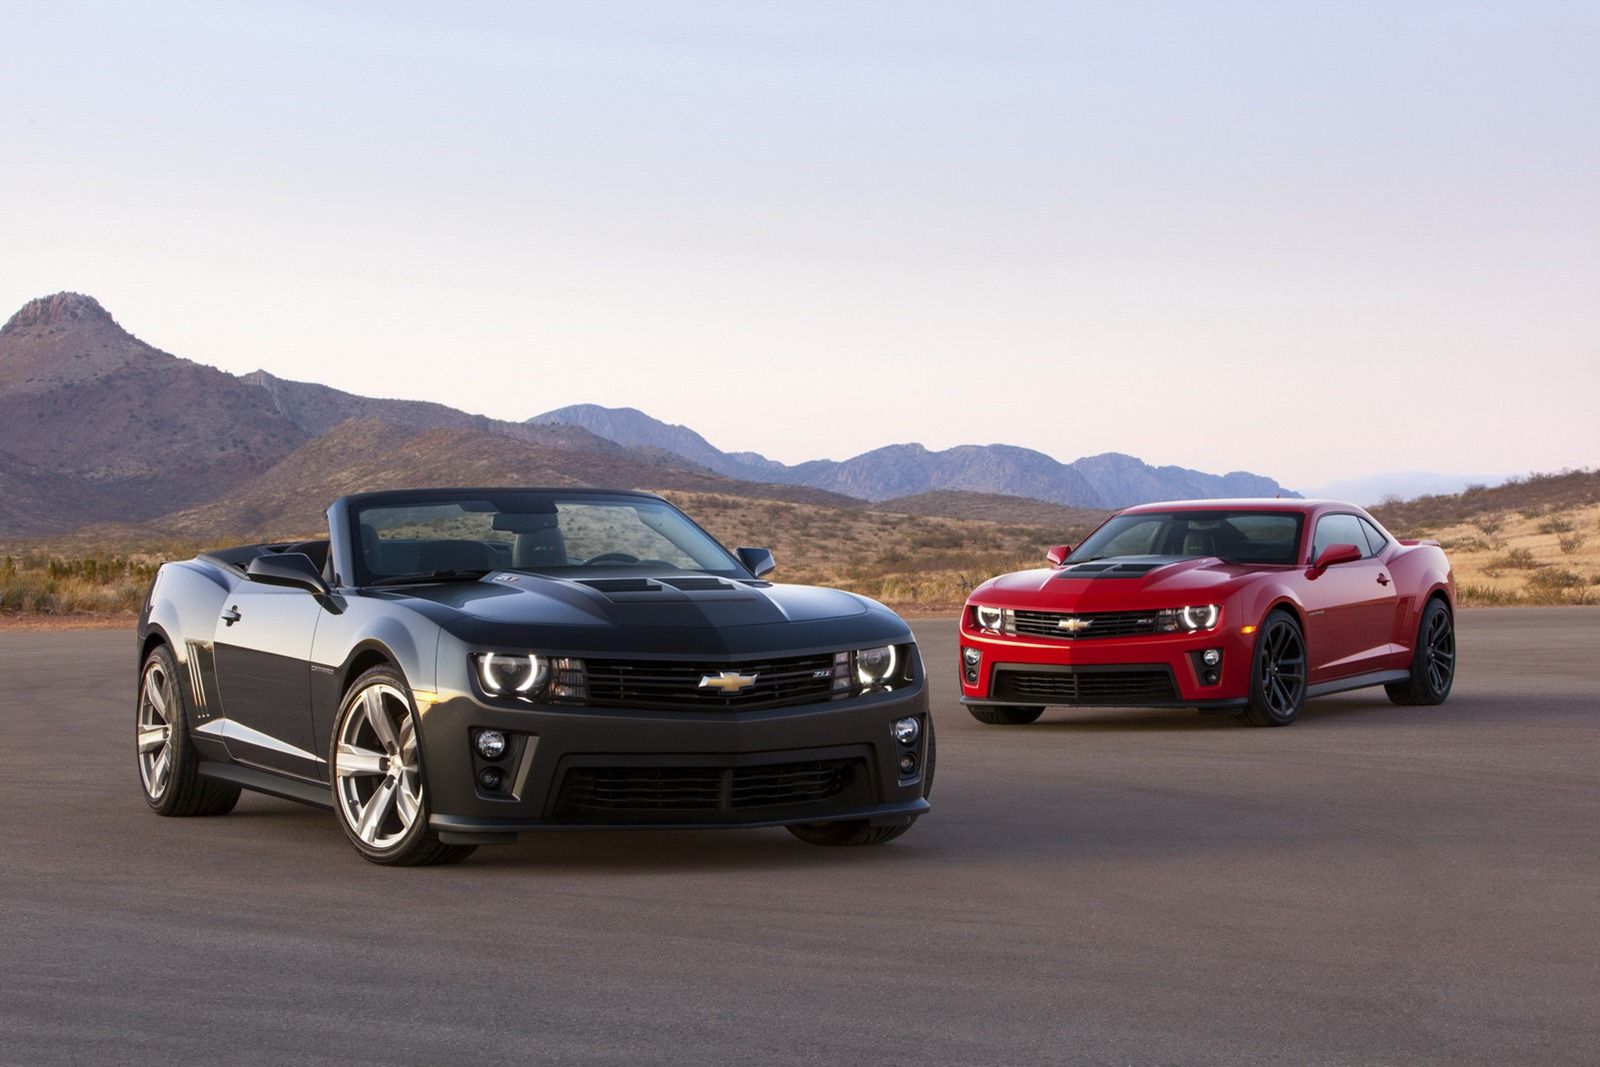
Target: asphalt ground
[(1372, 885)]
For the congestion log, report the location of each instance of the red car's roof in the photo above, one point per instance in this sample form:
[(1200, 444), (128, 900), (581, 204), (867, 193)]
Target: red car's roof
[(1304, 507)]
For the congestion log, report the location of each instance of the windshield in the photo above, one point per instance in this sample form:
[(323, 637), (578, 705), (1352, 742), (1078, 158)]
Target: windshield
[(1233, 536), (547, 532)]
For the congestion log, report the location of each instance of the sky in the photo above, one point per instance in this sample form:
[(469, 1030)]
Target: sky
[(1316, 241)]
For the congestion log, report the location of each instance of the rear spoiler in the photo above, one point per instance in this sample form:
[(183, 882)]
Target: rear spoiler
[(1412, 542)]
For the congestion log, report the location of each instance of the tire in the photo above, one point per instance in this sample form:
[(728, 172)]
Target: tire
[(860, 831), (1433, 659), (168, 764), (1277, 672), (377, 777), (1004, 714)]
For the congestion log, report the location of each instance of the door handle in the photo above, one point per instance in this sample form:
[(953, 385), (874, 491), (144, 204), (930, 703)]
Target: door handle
[(1383, 579), (232, 615)]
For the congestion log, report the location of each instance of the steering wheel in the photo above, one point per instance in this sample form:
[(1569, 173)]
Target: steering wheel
[(611, 557)]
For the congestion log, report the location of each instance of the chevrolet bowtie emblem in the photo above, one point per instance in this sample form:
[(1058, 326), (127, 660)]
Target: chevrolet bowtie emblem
[(729, 682), (1073, 626)]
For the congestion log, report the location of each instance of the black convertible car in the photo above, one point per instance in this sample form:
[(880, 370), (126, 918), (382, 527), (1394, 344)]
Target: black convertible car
[(455, 666)]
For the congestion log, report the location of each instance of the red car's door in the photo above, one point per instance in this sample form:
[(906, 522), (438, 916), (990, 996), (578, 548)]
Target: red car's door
[(1351, 606)]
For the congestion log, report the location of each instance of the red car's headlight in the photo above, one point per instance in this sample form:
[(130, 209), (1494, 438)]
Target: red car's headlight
[(1190, 619)]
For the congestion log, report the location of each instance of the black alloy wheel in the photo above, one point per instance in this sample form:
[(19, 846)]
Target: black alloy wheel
[(1278, 672), (1433, 661)]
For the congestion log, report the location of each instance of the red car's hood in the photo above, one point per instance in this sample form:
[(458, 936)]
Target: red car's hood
[(1167, 585)]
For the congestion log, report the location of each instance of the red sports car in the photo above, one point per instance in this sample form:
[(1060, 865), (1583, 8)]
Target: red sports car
[(1246, 606)]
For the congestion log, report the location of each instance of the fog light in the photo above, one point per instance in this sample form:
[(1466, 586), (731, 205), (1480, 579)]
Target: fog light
[(491, 744), (906, 730), (908, 764), (1211, 656), (1209, 678), (491, 778), (971, 656)]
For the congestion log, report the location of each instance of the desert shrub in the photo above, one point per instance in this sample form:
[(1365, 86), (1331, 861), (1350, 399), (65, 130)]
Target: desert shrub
[(1465, 544), (1491, 525), (1515, 559), (1571, 542), (1478, 596), (1555, 584), (1558, 525), (1533, 511)]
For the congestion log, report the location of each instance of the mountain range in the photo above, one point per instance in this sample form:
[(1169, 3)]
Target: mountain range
[(98, 426), (1108, 480)]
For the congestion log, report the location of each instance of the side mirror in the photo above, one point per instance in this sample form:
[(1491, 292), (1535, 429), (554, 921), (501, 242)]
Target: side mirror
[(757, 561), (293, 570), (1058, 554), (1334, 555)]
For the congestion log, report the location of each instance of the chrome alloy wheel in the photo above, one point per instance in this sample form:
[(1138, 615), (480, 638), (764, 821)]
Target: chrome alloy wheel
[(157, 708), (376, 774), (1282, 668)]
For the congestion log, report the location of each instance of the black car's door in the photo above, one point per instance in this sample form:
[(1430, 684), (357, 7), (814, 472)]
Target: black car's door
[(263, 655)]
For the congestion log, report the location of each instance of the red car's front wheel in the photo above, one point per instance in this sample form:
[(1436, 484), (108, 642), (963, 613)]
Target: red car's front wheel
[(1277, 672)]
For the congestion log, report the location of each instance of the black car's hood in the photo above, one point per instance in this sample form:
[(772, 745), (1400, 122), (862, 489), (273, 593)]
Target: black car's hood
[(679, 613)]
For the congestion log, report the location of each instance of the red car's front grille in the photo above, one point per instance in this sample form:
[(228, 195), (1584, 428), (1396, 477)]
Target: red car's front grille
[(1068, 626), (1119, 685)]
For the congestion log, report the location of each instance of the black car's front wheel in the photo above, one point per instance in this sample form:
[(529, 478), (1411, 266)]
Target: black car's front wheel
[(1277, 672), (168, 764), (1433, 659), (379, 787), (860, 831)]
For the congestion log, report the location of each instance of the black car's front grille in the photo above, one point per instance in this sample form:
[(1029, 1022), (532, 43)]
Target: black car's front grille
[(1067, 626), (668, 684), (1131, 685), (665, 790)]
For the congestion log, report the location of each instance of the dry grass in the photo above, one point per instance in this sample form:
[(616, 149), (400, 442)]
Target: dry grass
[(1548, 557), (41, 584)]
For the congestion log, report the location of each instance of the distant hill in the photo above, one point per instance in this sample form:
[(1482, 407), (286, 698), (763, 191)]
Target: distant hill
[(1530, 497), (1400, 485), (995, 507), (136, 430), (1109, 480)]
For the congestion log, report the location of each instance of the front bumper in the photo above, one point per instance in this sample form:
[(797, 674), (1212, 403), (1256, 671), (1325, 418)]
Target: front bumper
[(1053, 670), (594, 767)]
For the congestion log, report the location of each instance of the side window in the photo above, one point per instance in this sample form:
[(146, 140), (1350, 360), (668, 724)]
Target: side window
[(1375, 538), (1339, 530)]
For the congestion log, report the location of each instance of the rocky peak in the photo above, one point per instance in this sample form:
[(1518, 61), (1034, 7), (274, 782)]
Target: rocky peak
[(58, 310)]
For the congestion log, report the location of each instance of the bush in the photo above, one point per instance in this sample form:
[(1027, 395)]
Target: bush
[(1516, 559), (1556, 584), (1556, 526), (1491, 525), (1571, 542)]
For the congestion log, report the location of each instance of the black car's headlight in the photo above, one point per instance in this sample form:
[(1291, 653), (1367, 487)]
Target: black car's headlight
[(867, 669), (529, 676), (502, 674), (1190, 619)]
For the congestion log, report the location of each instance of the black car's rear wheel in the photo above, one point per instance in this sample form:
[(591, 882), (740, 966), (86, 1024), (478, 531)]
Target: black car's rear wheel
[(860, 831), (168, 764), (379, 788), (1004, 714), (1277, 672), (1433, 659)]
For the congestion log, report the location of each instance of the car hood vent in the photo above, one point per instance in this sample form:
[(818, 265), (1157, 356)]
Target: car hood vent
[(623, 585), (1113, 569), (695, 585)]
